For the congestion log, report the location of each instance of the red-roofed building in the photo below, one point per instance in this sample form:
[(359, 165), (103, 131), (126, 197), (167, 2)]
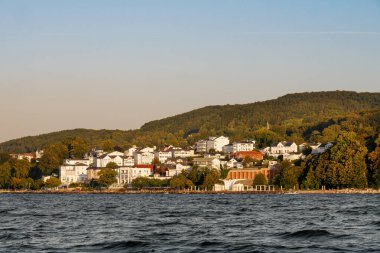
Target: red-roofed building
[(257, 155)]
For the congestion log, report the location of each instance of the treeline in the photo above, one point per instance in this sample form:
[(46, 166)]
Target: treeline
[(314, 116), (203, 178), (350, 163)]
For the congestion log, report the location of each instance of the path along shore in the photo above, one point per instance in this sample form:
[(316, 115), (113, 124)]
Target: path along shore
[(170, 191)]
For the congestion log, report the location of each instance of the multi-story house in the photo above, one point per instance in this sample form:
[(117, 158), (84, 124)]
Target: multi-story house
[(243, 146), (74, 171), (143, 157), (217, 143), (163, 155), (283, 148), (201, 146), (207, 162)]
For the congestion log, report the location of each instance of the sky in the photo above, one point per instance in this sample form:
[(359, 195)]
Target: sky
[(109, 64)]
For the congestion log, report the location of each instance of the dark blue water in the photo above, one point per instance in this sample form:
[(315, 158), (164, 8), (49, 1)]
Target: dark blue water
[(189, 223)]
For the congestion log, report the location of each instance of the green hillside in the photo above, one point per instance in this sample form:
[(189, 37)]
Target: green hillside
[(314, 116)]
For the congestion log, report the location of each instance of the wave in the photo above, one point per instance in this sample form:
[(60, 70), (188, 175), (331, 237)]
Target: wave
[(307, 233), (121, 245)]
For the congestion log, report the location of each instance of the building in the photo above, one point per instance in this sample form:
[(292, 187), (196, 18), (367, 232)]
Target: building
[(125, 175), (201, 146), (143, 157), (163, 155), (26, 156), (322, 147), (283, 148), (207, 162), (103, 160), (74, 171), (256, 155), (217, 143), (182, 152), (228, 149), (243, 146), (249, 174)]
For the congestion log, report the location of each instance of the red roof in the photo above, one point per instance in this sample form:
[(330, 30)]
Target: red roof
[(145, 166)]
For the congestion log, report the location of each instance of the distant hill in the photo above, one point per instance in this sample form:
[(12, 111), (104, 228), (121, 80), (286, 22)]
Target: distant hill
[(299, 115)]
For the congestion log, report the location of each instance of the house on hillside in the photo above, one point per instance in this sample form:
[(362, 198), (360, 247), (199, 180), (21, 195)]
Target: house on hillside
[(207, 162), (284, 148), (74, 171)]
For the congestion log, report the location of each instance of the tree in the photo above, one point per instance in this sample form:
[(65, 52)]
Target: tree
[(287, 175), (342, 165), (4, 157), (211, 178), (5, 175), (107, 177), (52, 158), (78, 148), (52, 182), (112, 165), (180, 182), (108, 145), (20, 168), (260, 179), (374, 168), (247, 161)]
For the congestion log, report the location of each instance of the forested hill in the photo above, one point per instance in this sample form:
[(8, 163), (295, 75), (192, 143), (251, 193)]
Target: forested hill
[(309, 106), (314, 116)]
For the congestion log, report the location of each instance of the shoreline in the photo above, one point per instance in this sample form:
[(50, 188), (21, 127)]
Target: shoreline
[(116, 192)]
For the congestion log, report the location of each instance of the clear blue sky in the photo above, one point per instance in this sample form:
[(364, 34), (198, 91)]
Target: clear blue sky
[(118, 64)]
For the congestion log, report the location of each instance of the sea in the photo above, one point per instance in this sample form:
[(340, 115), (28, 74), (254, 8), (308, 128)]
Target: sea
[(189, 223)]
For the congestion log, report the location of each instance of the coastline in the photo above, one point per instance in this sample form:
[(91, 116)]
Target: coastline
[(118, 191)]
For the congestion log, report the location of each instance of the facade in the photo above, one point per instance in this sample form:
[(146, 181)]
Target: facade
[(201, 146), (207, 162), (243, 146), (182, 152), (143, 157), (322, 148), (163, 155), (74, 171), (103, 160), (284, 148), (228, 149), (217, 143), (27, 156), (249, 174)]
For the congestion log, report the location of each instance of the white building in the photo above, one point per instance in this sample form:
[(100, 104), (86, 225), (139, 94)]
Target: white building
[(217, 143), (73, 171), (283, 148), (163, 155), (232, 163), (129, 161), (126, 174), (228, 149), (201, 146), (243, 146), (143, 157), (131, 151), (182, 152), (207, 162), (322, 147), (103, 160)]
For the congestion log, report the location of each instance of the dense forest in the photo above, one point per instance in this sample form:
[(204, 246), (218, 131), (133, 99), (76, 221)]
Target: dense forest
[(310, 116)]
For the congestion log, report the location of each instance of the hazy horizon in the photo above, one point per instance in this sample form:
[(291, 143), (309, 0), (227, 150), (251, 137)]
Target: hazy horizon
[(119, 64)]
